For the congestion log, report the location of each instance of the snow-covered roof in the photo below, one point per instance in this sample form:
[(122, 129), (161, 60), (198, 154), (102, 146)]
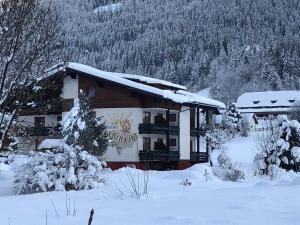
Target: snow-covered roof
[(150, 80), (268, 99), (180, 96)]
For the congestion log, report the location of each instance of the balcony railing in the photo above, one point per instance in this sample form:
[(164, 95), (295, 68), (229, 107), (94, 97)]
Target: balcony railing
[(199, 156), (153, 155), (158, 129), (195, 132), (45, 131)]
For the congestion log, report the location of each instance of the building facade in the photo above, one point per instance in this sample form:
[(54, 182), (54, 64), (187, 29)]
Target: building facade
[(150, 122), (268, 103)]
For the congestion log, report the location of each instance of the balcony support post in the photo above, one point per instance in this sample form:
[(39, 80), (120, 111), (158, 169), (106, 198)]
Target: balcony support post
[(198, 133), (209, 125), (168, 130)]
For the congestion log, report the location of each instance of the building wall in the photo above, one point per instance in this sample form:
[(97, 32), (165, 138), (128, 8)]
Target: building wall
[(184, 134), (70, 87), (122, 125)]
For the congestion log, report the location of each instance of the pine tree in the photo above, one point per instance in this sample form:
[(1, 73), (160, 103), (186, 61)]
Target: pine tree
[(232, 120), (83, 131)]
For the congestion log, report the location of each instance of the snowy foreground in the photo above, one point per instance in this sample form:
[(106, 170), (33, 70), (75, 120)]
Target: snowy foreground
[(256, 200)]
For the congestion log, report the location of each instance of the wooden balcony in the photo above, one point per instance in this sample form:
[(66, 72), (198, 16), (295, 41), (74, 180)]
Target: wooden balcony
[(158, 129), (199, 156), (158, 155), (54, 131)]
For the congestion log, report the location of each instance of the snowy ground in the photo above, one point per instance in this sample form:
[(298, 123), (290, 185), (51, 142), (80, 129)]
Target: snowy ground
[(254, 201)]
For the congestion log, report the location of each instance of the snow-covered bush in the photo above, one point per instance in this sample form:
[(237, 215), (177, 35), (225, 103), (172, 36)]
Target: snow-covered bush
[(232, 120), (217, 137), (279, 146), (57, 170), (227, 170), (72, 166)]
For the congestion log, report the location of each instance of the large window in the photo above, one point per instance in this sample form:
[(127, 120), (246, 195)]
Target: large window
[(146, 143), (147, 118)]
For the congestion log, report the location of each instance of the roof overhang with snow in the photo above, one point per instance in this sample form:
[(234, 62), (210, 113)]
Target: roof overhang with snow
[(179, 96)]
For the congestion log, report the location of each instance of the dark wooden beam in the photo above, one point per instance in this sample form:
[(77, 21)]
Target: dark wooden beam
[(198, 128)]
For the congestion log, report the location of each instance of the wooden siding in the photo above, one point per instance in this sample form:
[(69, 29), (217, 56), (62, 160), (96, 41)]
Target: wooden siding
[(111, 95)]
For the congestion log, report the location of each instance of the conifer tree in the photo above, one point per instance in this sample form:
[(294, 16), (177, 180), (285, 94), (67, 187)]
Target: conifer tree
[(84, 131), (232, 119)]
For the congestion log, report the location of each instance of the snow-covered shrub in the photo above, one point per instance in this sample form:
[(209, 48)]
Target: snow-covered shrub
[(232, 120), (279, 146), (73, 166), (57, 170), (82, 130), (227, 170), (216, 138), (138, 181)]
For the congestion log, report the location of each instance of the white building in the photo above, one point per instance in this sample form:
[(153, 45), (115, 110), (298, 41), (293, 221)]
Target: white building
[(268, 103), (149, 120)]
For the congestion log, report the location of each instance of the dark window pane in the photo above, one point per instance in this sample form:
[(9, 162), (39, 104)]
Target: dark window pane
[(173, 142), (39, 121), (146, 143), (92, 92), (172, 117)]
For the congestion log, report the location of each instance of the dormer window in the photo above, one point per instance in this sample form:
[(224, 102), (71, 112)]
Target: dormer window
[(292, 100), (273, 101), (256, 102)]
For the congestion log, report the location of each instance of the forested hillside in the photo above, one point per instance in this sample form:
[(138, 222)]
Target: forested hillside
[(232, 46)]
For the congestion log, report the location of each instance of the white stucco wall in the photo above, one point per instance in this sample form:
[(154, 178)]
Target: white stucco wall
[(118, 115), (184, 134), (70, 88)]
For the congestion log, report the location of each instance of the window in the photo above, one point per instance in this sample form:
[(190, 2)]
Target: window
[(91, 92), (159, 145), (147, 118), (146, 143), (292, 100), (68, 104), (173, 142), (256, 102), (273, 101), (160, 140), (172, 117), (39, 121), (58, 118)]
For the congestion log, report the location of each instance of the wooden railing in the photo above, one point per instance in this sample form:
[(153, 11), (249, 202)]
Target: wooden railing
[(199, 156), (152, 155), (45, 131), (158, 129)]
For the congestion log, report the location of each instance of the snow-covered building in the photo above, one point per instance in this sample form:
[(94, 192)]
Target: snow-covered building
[(148, 120), (269, 103)]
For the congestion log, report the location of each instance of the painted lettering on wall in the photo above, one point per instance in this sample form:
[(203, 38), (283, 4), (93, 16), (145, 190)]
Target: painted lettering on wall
[(119, 127)]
